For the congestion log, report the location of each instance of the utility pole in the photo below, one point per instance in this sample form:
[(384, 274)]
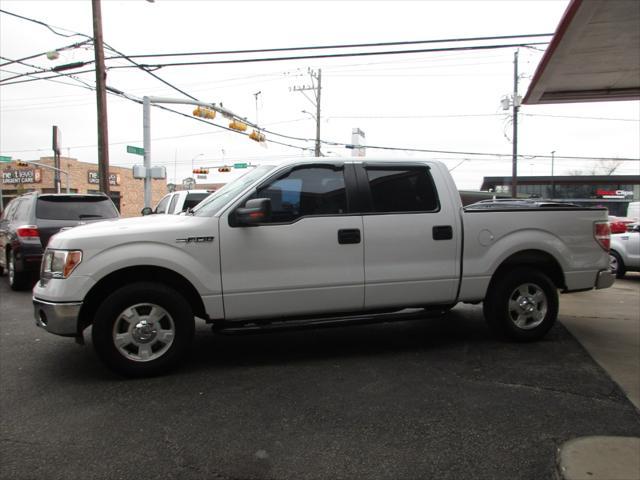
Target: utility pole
[(516, 107), (101, 95), (316, 86)]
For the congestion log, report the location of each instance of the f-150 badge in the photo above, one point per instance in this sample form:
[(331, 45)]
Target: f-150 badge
[(194, 239)]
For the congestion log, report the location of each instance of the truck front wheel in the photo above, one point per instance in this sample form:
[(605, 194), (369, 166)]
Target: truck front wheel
[(522, 305), (143, 329)]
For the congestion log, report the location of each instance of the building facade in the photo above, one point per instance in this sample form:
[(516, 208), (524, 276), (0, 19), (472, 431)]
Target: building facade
[(126, 192), (611, 191)]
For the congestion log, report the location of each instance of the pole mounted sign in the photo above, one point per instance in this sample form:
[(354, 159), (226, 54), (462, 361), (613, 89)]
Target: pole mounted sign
[(4, 159), (135, 150)]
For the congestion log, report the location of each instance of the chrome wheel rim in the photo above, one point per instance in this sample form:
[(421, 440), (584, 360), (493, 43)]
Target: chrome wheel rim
[(613, 263), (143, 332), (528, 306), (11, 269)]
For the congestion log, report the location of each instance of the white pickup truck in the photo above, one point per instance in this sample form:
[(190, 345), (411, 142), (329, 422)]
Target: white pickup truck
[(310, 242)]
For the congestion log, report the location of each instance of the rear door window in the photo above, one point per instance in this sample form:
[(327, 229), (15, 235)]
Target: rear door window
[(74, 208), (402, 189)]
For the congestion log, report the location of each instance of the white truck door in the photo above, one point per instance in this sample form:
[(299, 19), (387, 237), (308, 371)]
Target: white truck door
[(307, 259), (412, 237)]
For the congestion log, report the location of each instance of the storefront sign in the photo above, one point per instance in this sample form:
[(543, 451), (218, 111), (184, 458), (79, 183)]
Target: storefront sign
[(613, 193), (94, 177), (16, 176)]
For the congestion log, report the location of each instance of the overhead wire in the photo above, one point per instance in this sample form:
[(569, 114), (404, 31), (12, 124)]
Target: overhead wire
[(334, 55), (340, 46), (146, 68)]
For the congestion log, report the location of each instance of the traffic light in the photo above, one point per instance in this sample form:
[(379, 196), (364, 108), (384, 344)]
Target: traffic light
[(204, 112), (201, 171), (21, 163), (238, 125), (257, 136), (224, 169)]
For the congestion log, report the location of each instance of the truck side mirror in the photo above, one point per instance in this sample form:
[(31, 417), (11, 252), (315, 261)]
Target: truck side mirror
[(255, 211), (146, 211)]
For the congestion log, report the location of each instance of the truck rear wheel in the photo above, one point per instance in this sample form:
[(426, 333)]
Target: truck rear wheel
[(143, 329), (522, 305)]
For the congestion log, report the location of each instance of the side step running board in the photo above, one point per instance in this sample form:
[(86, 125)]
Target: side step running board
[(231, 328)]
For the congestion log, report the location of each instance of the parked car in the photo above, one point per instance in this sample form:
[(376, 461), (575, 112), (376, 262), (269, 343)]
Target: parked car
[(175, 203), (29, 221), (314, 242), (620, 224), (633, 211), (624, 255)]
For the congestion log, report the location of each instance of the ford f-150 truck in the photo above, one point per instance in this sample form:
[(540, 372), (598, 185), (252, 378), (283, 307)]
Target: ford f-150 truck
[(310, 242)]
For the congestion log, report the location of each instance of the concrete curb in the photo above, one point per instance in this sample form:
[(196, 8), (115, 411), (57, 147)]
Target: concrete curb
[(599, 458)]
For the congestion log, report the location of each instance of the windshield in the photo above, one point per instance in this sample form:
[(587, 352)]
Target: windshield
[(214, 202)]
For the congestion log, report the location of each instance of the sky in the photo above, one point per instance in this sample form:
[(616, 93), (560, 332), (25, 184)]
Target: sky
[(448, 101)]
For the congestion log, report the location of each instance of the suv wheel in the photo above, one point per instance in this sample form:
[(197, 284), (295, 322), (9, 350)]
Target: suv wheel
[(17, 280), (143, 329), (616, 265)]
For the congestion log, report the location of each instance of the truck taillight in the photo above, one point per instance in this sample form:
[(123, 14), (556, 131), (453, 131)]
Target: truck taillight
[(602, 234), (28, 232)]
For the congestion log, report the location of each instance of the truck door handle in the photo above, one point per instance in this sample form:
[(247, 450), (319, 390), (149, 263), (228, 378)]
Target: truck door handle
[(349, 235), (442, 232)]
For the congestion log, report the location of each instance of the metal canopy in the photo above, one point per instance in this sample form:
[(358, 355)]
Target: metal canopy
[(593, 56)]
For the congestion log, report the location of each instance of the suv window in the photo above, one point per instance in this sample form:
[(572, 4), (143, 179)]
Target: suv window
[(172, 205), (21, 210), (402, 189), (313, 190), (193, 199), (162, 204), (74, 207)]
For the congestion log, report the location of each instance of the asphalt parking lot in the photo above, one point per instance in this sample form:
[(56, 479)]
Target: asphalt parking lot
[(434, 398)]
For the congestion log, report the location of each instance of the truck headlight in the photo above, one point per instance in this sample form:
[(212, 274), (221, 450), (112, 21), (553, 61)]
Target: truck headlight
[(59, 263)]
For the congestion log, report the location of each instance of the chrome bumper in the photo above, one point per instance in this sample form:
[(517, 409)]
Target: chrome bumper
[(605, 279), (58, 318)]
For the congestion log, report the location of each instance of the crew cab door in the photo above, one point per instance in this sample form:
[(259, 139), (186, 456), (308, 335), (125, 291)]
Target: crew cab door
[(306, 259), (412, 236)]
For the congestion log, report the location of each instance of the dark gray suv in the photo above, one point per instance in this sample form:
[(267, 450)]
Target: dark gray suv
[(31, 219)]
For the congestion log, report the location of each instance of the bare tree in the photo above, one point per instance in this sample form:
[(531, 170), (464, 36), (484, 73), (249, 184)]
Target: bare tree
[(603, 167)]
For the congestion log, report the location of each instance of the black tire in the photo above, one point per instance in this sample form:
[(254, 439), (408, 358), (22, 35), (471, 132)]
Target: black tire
[(155, 338), (17, 280), (616, 265), (521, 305)]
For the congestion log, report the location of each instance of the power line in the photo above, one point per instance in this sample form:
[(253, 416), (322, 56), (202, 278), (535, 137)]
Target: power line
[(339, 46), (334, 55), (46, 25), (67, 47), (21, 62)]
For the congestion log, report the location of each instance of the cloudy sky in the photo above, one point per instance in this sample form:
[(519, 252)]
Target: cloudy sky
[(447, 101)]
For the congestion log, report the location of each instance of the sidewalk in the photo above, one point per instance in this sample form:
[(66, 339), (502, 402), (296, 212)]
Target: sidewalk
[(607, 324), (600, 458)]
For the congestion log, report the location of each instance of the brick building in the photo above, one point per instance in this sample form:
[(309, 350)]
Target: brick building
[(126, 192)]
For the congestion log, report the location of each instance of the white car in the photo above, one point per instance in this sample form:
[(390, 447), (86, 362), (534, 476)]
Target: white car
[(624, 255), (175, 203)]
